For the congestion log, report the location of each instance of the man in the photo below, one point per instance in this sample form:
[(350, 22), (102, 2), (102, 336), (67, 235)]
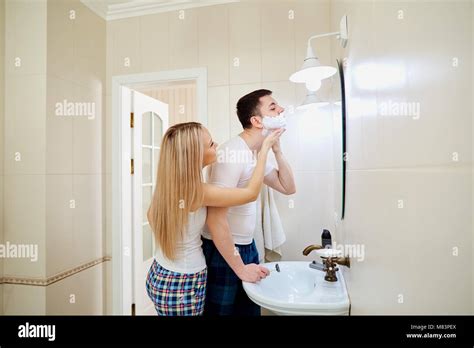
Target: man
[(229, 248)]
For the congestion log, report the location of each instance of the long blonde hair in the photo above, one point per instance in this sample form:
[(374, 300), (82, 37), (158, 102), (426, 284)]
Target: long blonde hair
[(178, 184)]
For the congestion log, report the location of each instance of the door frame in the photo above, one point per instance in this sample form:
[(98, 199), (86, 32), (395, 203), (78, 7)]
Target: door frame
[(121, 216)]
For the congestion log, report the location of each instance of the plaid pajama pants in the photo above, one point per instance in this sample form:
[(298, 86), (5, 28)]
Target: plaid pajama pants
[(176, 294)]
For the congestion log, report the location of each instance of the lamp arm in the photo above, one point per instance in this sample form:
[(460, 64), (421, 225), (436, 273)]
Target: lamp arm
[(322, 35)]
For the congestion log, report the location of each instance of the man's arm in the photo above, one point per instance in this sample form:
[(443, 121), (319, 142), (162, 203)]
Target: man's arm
[(222, 237), (282, 179)]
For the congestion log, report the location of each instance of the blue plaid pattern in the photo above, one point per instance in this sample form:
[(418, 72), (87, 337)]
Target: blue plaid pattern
[(225, 294), (176, 294)]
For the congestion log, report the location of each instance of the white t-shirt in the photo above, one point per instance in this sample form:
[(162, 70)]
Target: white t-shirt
[(189, 255), (234, 168)]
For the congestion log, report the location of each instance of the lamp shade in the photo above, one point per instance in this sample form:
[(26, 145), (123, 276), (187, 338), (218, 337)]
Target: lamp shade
[(312, 69)]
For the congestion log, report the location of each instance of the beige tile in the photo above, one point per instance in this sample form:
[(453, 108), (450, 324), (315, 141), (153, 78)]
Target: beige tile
[(80, 294), (123, 55), (183, 39), (235, 93), (59, 213), (25, 126), (89, 49), (2, 116), (87, 134), (60, 59), (214, 43), (59, 130), (25, 28), (90, 73), (89, 32), (24, 222), (244, 43), (155, 42), (219, 115), (2, 81), (419, 70), (24, 299), (306, 213), (426, 228), (278, 40), (87, 218)]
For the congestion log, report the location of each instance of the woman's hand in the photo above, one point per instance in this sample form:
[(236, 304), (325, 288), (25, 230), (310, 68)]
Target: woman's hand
[(272, 139)]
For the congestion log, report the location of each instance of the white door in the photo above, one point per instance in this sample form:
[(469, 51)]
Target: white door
[(150, 121)]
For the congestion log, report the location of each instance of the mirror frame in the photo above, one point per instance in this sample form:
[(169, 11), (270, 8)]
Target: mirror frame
[(340, 68)]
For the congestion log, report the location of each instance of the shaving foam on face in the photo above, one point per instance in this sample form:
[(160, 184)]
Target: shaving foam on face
[(272, 122)]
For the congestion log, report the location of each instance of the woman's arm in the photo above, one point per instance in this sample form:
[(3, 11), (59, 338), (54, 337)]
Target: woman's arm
[(216, 196)]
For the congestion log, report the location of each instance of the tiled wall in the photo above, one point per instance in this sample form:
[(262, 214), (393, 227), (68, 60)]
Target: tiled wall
[(74, 161), (409, 202), (55, 192), (472, 155), (2, 118), (25, 136)]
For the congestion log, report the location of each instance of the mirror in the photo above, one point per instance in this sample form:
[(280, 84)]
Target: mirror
[(338, 106)]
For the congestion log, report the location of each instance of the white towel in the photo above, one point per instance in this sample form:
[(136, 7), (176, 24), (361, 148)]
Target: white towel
[(269, 234)]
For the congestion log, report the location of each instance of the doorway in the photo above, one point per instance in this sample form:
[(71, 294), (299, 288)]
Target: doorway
[(143, 107)]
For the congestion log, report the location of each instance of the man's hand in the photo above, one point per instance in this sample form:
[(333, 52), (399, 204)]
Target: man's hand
[(253, 273), (276, 147)]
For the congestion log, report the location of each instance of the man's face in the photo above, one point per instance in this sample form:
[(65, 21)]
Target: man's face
[(269, 106)]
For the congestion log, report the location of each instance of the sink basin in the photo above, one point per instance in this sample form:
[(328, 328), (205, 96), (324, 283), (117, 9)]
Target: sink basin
[(299, 290)]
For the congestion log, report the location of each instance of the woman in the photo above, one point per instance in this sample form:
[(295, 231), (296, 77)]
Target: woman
[(176, 281)]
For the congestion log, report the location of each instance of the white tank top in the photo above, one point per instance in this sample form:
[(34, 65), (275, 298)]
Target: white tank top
[(189, 255)]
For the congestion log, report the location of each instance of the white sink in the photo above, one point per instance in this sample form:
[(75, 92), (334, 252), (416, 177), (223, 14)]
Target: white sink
[(299, 290)]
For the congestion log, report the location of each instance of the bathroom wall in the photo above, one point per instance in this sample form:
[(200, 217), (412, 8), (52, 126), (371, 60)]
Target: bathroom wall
[(24, 151), (409, 179), (2, 118), (54, 194), (244, 46), (472, 154), (74, 158)]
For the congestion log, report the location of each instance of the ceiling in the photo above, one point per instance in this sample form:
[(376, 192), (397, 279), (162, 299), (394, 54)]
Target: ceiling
[(116, 9)]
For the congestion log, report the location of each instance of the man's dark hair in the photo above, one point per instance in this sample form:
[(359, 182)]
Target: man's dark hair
[(247, 106)]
